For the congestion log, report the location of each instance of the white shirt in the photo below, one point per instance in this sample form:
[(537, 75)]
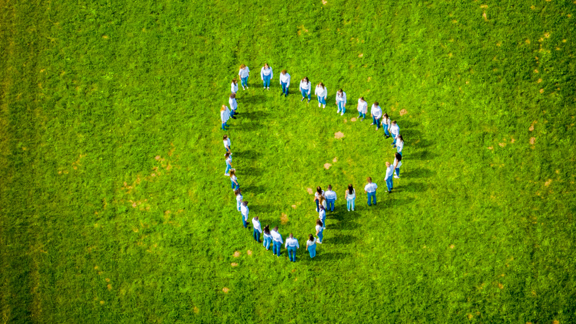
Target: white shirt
[(239, 198), (376, 111), (226, 142), (395, 129), (362, 106), (268, 236), (234, 87), (256, 224), (233, 178), (371, 187), (292, 242), (244, 210), (319, 228), (330, 195), (311, 243), (322, 214), (341, 98), (321, 92), (349, 195), (233, 103), (276, 236), (399, 146), (225, 115), (386, 121), (316, 194), (305, 85), (389, 171), (399, 163), (245, 72), (266, 72), (285, 78), (228, 160)]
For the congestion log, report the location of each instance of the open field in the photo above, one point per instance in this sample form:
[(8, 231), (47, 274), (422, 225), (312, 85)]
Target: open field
[(113, 203)]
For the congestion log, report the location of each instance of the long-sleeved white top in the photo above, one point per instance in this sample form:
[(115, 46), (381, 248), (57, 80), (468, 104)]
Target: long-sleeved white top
[(399, 146), (227, 142), (245, 211), (285, 78), (376, 111), (330, 195), (395, 129), (225, 115), (305, 85), (268, 236), (349, 195), (321, 92), (386, 121), (311, 243), (389, 171), (362, 106), (322, 215), (234, 87), (239, 198), (276, 237), (397, 164), (341, 98), (233, 103), (371, 187), (292, 242), (244, 73), (256, 224), (266, 72)]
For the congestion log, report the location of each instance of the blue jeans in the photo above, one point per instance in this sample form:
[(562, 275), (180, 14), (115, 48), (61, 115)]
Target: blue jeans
[(285, 89), (398, 171), (306, 93), (323, 220), (228, 167), (238, 205), (267, 242), (394, 137), (376, 122), (400, 153), (232, 112), (256, 235), (266, 81), (224, 126), (341, 106), (244, 81), (351, 203), (386, 130), (312, 250), (373, 195), (389, 183), (276, 247), (322, 100), (292, 253), (361, 114), (235, 186), (244, 222), (330, 203), (317, 206), (320, 236)]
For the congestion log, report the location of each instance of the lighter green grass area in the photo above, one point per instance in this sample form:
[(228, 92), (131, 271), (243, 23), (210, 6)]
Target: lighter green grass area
[(113, 203)]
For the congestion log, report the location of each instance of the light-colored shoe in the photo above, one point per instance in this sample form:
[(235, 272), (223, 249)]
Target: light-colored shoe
[(342, 114), (226, 174), (324, 106), (372, 124), (396, 177), (319, 105), (318, 242)]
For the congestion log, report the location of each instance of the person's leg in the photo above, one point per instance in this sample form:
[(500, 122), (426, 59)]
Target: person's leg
[(309, 95), (343, 108), (317, 206), (279, 248), (353, 204), (374, 198), (324, 101), (377, 123), (258, 237), (386, 130), (369, 194), (232, 184), (321, 236), (348, 204), (394, 142), (398, 172), (274, 245), (311, 252), (324, 222), (227, 168), (373, 120)]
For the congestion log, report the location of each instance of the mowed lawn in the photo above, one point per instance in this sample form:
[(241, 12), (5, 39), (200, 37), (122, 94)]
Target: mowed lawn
[(113, 203)]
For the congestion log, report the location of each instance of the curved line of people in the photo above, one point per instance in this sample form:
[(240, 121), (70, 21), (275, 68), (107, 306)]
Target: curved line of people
[(324, 200)]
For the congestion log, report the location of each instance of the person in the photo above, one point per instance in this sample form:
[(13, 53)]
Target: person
[(227, 145), (362, 108), (234, 86), (276, 241), (224, 116), (306, 89), (386, 125), (266, 75), (267, 237), (370, 189), (399, 144), (292, 245), (376, 113), (239, 199), (397, 165), (257, 229), (321, 93), (317, 197), (244, 73), (285, 82), (330, 198), (234, 180), (388, 176), (350, 197), (311, 246), (245, 211), (233, 105), (228, 158), (322, 215), (395, 131), (341, 101), (319, 231)]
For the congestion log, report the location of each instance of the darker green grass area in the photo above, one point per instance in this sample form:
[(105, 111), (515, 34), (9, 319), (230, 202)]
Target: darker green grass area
[(113, 203)]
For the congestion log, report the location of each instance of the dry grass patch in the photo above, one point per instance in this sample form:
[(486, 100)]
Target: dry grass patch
[(236, 254), (327, 166), (284, 219), (338, 135)]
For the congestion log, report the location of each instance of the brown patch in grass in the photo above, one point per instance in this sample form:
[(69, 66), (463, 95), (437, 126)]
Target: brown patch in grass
[(403, 112), (327, 166), (535, 70), (109, 286), (284, 219), (157, 158), (249, 252), (484, 16), (502, 144), (533, 140), (484, 6), (452, 246), (369, 78), (324, 2), (532, 125), (360, 55), (226, 290), (470, 316), (338, 135), (501, 286), (512, 140), (294, 206), (310, 191), (101, 302), (234, 264), (236, 254), (335, 160), (541, 90), (345, 120), (353, 119), (547, 183), (196, 310), (490, 147)]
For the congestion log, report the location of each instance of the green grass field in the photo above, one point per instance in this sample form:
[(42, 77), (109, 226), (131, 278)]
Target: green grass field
[(113, 203)]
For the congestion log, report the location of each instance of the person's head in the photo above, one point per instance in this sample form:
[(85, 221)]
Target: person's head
[(266, 66), (291, 236), (237, 192), (398, 156), (319, 190), (387, 164), (227, 155), (369, 179), (400, 138), (267, 229), (319, 222), (242, 66), (350, 189), (232, 172), (393, 122), (310, 237), (283, 71), (232, 95), (225, 137), (305, 79), (276, 229), (234, 81), (376, 103), (223, 108), (340, 92), (362, 98), (322, 85), (244, 203), (385, 115), (329, 187), (256, 218)]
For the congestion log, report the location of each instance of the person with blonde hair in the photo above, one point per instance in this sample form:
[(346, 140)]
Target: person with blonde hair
[(233, 105), (370, 190), (224, 116), (321, 93), (266, 75), (244, 73), (285, 82)]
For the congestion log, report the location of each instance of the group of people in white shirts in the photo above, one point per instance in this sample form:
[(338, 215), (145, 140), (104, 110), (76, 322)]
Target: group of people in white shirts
[(324, 199)]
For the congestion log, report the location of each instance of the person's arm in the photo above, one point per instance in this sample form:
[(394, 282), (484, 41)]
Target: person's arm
[(262, 74), (318, 231), (297, 244), (271, 73), (306, 245), (288, 82)]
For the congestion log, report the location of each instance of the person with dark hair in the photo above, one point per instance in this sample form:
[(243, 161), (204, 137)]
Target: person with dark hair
[(322, 215), (285, 82), (267, 237), (362, 108), (399, 144), (318, 197), (330, 198), (350, 197), (370, 189), (244, 210), (319, 231), (266, 75), (227, 146), (388, 177), (306, 89), (276, 241), (257, 229), (234, 86), (341, 101), (233, 105), (239, 199), (228, 158), (376, 113), (292, 245), (234, 180), (321, 93), (311, 246), (397, 164)]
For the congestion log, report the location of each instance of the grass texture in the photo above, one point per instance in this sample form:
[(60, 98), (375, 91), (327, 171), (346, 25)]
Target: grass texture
[(113, 203)]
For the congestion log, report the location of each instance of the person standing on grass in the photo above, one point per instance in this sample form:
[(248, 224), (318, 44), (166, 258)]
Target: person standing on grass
[(319, 231), (311, 246), (322, 215), (376, 113), (321, 93), (292, 245), (228, 157), (234, 180), (399, 144), (266, 75), (395, 131), (245, 211), (350, 197), (233, 105), (318, 195), (257, 229), (276, 241), (306, 89), (244, 73), (285, 82), (234, 86), (267, 237), (224, 116), (341, 101), (386, 125), (370, 189), (362, 108), (239, 199), (227, 145), (397, 165), (388, 176), (330, 198)]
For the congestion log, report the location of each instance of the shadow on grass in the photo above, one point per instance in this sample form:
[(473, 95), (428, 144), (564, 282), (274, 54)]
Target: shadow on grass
[(415, 187), (405, 124), (340, 239), (251, 99), (418, 173), (345, 219), (263, 208), (249, 126), (254, 115), (249, 171), (248, 154), (399, 202), (421, 144), (253, 189), (329, 256)]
